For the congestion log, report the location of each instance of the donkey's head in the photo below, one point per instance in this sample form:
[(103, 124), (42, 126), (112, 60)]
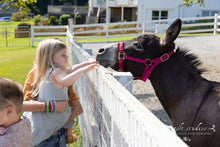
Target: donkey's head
[(144, 47)]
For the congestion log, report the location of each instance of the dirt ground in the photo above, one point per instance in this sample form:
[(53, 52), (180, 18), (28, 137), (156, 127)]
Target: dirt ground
[(207, 48)]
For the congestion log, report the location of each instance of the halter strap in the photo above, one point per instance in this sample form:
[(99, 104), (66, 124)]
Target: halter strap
[(150, 64), (121, 56)]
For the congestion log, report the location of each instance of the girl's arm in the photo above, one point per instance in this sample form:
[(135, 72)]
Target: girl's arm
[(65, 79), (77, 66), (36, 106), (33, 106), (76, 110)]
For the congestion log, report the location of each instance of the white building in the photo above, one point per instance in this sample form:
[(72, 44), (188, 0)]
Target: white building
[(132, 10), (167, 9)]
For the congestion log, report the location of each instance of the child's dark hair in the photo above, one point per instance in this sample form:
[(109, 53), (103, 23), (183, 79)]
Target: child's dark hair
[(10, 93)]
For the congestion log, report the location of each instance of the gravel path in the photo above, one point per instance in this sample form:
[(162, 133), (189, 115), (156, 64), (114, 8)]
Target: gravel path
[(207, 48)]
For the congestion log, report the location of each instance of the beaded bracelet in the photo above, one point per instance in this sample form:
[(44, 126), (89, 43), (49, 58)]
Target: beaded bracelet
[(51, 106), (48, 107), (55, 106)]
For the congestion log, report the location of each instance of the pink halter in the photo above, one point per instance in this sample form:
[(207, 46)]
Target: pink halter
[(150, 64)]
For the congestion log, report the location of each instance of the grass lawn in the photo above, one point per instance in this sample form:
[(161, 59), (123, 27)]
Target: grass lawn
[(16, 62), (14, 23)]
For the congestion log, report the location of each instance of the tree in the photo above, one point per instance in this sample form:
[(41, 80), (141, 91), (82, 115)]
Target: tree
[(16, 4), (189, 3)]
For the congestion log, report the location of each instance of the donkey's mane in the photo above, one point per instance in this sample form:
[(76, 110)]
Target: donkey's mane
[(190, 60)]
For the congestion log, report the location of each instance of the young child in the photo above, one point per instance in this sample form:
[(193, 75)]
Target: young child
[(52, 76), (15, 130)]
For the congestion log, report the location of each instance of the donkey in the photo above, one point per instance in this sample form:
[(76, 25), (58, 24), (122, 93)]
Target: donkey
[(191, 101)]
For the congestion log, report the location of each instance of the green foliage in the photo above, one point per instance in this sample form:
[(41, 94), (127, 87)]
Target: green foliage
[(43, 22), (76, 130), (189, 3), (24, 24), (53, 21), (18, 4), (63, 20), (18, 16), (77, 20), (37, 19)]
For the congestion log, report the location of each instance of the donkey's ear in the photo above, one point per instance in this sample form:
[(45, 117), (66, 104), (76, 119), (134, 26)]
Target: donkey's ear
[(172, 32)]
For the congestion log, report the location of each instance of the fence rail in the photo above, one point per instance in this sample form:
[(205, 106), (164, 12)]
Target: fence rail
[(108, 31), (56, 31), (112, 116), (15, 36)]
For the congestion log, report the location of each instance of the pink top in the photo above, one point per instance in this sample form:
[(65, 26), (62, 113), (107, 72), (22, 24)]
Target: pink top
[(17, 135)]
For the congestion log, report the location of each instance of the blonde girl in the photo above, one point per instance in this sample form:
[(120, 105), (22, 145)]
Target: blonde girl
[(51, 78)]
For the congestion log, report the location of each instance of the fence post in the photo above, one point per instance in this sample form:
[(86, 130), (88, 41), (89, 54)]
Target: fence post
[(143, 27), (125, 79), (107, 24), (70, 24), (215, 24), (32, 36)]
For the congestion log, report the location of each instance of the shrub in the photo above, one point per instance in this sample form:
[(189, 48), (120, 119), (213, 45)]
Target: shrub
[(63, 20), (18, 16), (24, 25), (53, 21), (23, 30), (37, 19), (43, 22), (77, 20)]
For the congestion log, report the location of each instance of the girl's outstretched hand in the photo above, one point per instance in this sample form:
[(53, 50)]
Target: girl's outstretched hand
[(61, 106), (91, 66)]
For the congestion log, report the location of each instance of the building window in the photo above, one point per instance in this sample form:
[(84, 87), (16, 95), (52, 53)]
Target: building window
[(209, 13), (157, 15)]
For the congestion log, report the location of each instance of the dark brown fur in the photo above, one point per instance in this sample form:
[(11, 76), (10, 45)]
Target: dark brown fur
[(192, 102)]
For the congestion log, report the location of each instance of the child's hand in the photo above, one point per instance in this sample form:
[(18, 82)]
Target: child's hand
[(92, 61), (2, 130), (91, 67), (61, 106)]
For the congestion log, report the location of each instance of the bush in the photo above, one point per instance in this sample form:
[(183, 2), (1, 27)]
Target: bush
[(24, 25), (43, 22), (77, 20), (23, 30), (63, 20), (53, 21), (18, 16), (38, 18)]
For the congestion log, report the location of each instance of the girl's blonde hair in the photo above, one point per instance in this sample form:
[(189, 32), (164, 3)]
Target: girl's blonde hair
[(44, 60)]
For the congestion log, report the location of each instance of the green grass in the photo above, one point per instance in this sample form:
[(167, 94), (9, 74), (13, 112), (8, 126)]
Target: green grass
[(14, 23), (16, 62)]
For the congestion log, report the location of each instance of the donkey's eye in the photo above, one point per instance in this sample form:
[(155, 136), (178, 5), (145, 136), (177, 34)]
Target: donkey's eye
[(138, 45)]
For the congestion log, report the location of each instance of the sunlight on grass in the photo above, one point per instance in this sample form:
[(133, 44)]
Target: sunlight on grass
[(15, 63)]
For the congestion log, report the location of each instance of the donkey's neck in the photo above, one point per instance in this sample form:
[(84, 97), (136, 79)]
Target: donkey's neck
[(177, 81)]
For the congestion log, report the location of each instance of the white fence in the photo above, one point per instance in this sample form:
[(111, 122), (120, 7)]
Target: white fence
[(46, 32), (155, 26), (112, 116)]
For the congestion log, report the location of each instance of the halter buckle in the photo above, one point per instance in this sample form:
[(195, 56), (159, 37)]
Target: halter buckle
[(164, 57), (148, 62), (121, 56)]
